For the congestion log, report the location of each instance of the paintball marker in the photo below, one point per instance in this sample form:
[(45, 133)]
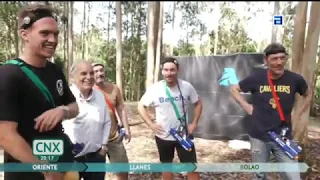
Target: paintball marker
[(291, 148), (122, 131), (77, 148), (186, 142)]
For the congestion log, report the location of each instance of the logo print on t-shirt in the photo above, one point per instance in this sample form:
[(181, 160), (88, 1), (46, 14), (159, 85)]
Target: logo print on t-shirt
[(273, 103), (176, 98), (59, 85)]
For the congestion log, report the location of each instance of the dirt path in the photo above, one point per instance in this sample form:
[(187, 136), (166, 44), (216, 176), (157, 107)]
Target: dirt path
[(142, 148)]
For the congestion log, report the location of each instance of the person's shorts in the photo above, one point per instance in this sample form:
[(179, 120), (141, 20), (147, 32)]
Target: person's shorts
[(166, 151), (116, 151)]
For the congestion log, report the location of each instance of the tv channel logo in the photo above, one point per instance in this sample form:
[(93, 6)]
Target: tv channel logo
[(48, 149), (277, 20)]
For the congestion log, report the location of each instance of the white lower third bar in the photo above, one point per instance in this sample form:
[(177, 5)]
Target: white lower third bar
[(252, 167)]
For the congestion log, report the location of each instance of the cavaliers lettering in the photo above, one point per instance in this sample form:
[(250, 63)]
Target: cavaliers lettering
[(278, 88)]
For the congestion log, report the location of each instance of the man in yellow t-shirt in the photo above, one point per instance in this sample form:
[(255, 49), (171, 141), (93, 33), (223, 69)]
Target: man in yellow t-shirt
[(116, 150)]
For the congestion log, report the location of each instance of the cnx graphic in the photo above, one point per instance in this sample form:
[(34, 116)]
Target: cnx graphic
[(48, 149), (229, 77)]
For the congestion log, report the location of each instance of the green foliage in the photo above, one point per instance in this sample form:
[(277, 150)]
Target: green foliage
[(317, 96), (134, 48), (8, 24), (232, 37), (189, 23), (288, 12), (184, 48), (58, 60)]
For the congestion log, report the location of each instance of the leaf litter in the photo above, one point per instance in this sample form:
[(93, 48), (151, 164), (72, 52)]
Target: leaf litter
[(142, 149)]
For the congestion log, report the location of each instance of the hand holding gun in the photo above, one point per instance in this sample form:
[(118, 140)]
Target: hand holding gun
[(184, 141), (121, 131), (77, 148), (291, 148)]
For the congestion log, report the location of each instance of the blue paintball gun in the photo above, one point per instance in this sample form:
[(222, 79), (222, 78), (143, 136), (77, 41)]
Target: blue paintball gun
[(291, 148), (121, 131), (184, 141), (77, 148)]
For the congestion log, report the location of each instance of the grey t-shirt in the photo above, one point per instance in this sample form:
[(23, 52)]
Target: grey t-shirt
[(165, 115)]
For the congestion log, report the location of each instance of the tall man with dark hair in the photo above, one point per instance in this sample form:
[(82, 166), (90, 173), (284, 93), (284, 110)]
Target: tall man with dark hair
[(183, 93), (265, 109), (25, 113)]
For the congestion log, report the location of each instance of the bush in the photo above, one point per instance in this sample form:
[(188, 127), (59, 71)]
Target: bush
[(317, 96)]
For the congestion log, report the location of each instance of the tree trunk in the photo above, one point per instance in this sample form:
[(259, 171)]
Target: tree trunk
[(16, 36), (299, 36), (313, 110), (159, 45), (156, 12), (131, 80), (65, 39), (309, 67), (70, 33), (139, 88), (138, 53), (150, 44), (298, 41), (108, 28), (87, 31), (83, 33), (119, 46), (274, 27), (172, 26), (20, 42)]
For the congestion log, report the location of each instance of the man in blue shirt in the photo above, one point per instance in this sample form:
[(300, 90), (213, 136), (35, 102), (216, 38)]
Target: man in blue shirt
[(263, 110)]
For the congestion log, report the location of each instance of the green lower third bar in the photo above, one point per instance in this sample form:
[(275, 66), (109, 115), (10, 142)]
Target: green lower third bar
[(140, 167), (24, 167), (98, 167), (155, 167)]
